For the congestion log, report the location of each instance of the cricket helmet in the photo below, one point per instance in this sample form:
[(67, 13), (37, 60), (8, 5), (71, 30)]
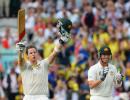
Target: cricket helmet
[(64, 26), (105, 50)]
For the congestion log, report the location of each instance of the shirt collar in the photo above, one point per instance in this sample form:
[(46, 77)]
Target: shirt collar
[(36, 66), (100, 66)]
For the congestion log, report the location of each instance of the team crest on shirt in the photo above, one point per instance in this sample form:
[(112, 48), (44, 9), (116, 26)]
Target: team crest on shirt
[(111, 73)]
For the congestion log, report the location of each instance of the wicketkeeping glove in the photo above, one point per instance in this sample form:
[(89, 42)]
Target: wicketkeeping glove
[(104, 73), (20, 46)]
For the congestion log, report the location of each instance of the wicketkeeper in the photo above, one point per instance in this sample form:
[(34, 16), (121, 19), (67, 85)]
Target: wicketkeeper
[(34, 72)]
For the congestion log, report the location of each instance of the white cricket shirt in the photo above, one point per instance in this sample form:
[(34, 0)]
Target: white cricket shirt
[(35, 80), (104, 88)]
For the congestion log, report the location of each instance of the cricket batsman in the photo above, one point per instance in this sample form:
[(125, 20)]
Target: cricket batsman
[(103, 76), (34, 72)]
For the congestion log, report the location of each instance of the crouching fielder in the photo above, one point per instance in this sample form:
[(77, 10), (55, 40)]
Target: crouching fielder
[(34, 72), (103, 76)]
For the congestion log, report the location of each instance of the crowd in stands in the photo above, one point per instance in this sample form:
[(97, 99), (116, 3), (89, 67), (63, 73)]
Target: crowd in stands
[(95, 23)]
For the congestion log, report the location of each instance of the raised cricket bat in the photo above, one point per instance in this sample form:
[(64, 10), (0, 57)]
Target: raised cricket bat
[(21, 25)]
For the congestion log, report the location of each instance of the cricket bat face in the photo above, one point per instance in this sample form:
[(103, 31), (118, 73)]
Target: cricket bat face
[(21, 24)]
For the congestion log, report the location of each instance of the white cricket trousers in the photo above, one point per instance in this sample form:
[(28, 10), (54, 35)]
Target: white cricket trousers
[(35, 97), (101, 98)]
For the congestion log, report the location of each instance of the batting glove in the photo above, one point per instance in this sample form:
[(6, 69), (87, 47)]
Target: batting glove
[(64, 39), (118, 77), (20, 46), (104, 73)]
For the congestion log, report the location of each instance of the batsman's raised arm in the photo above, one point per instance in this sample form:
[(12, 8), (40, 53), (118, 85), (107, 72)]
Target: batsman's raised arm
[(54, 53), (20, 47), (64, 26), (21, 59)]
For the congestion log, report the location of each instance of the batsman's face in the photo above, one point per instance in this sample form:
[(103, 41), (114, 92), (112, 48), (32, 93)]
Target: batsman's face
[(105, 58), (32, 54)]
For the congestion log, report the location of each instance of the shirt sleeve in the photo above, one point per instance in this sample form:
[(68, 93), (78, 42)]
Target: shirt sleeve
[(46, 62), (91, 74)]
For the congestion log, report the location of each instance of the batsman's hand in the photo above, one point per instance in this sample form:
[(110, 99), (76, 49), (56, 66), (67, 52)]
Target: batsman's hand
[(104, 73), (21, 46), (118, 77), (64, 39)]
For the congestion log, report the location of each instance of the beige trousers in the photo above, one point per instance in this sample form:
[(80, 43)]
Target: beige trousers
[(100, 98), (35, 97)]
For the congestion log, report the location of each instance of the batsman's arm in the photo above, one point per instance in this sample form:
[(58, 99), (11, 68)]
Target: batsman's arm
[(93, 84), (92, 81), (64, 26), (54, 53), (20, 47), (21, 59)]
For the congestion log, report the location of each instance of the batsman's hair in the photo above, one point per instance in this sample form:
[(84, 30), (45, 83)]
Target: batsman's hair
[(29, 47)]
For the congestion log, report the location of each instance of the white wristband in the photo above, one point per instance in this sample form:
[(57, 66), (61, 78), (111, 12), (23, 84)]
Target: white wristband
[(56, 50)]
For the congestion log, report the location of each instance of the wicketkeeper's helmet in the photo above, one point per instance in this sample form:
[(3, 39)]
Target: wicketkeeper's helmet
[(64, 26), (105, 50)]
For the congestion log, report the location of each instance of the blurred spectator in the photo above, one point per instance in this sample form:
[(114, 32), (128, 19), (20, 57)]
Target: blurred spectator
[(10, 83), (127, 52), (1, 70), (64, 13), (29, 25), (50, 31), (2, 95), (74, 88), (48, 5), (75, 17), (88, 17), (127, 81), (84, 90), (52, 77), (7, 39), (63, 56), (26, 4), (48, 47), (4, 8), (70, 4), (60, 91), (14, 7), (61, 4), (39, 24), (39, 39)]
